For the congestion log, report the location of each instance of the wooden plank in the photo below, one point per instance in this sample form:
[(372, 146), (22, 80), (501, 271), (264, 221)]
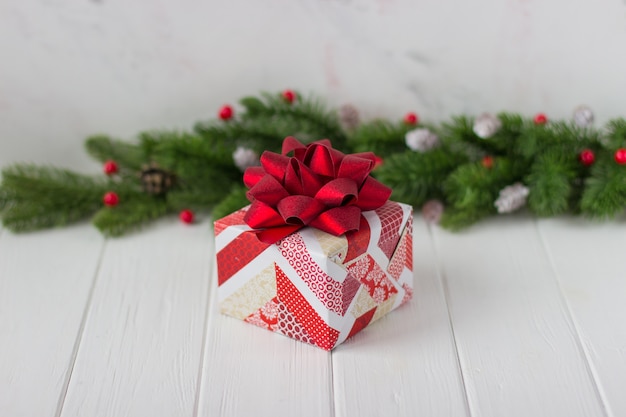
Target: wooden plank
[(45, 282), (406, 363), (518, 349), (588, 260), (249, 371), (141, 348)]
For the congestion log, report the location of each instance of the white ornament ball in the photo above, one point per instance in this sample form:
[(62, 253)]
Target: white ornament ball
[(486, 125), (432, 211), (583, 116), (421, 140), (245, 158), (512, 198)]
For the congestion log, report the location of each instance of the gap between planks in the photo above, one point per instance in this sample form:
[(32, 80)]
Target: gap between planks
[(404, 364), (81, 331), (45, 278), (142, 341), (446, 297), (516, 347), (584, 353), (205, 332), (251, 371)]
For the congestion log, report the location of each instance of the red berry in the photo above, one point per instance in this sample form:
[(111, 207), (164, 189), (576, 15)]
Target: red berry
[(110, 199), (487, 162), (411, 119), (620, 156), (289, 96), (226, 112), (540, 119), (110, 167), (186, 216), (587, 157)]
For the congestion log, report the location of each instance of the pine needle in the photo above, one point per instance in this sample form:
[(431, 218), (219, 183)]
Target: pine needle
[(34, 197), (132, 213)]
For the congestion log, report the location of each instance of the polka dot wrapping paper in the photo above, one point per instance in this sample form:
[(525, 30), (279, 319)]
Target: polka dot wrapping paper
[(313, 286)]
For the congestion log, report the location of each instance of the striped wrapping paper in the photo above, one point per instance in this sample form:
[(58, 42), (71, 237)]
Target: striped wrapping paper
[(312, 286)]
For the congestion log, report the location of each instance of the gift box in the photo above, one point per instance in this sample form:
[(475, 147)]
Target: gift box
[(312, 286), (321, 252)]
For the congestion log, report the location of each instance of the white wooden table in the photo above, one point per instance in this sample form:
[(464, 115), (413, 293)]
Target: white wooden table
[(515, 317)]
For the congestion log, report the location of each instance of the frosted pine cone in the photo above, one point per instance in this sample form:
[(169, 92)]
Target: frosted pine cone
[(583, 116), (421, 140), (245, 158), (349, 117), (486, 125), (432, 211), (512, 198)]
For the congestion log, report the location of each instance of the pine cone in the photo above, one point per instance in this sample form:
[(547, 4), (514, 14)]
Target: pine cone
[(155, 180)]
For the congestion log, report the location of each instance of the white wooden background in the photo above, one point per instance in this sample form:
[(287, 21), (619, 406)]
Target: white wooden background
[(72, 68), (514, 317)]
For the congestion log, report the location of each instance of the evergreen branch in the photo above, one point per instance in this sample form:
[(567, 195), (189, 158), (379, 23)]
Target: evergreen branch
[(459, 136), (311, 109), (456, 219), (474, 188), (34, 197), (466, 172), (381, 137), (254, 106), (616, 133), (551, 183), (310, 115), (265, 124), (605, 192), (417, 177), (127, 156), (200, 199), (190, 156), (133, 212)]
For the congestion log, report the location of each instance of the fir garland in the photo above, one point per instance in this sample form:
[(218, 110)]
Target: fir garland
[(475, 166)]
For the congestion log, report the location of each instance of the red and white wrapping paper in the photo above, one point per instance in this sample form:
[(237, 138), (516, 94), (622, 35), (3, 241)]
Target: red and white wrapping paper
[(313, 286)]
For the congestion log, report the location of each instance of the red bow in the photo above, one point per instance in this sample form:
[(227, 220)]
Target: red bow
[(318, 186)]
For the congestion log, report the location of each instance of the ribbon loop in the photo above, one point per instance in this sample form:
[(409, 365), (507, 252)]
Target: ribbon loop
[(274, 164), (267, 190), (339, 192), (318, 186), (299, 209)]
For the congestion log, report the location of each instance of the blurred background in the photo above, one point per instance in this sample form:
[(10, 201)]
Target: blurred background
[(72, 68)]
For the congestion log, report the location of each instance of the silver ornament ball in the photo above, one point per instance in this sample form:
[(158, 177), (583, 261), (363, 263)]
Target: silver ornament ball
[(421, 139), (245, 158), (486, 125), (583, 116), (512, 198)]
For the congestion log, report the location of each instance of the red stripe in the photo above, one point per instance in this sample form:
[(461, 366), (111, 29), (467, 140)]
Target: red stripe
[(322, 334), (237, 254), (361, 322), (234, 218), (358, 241), (409, 243)]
